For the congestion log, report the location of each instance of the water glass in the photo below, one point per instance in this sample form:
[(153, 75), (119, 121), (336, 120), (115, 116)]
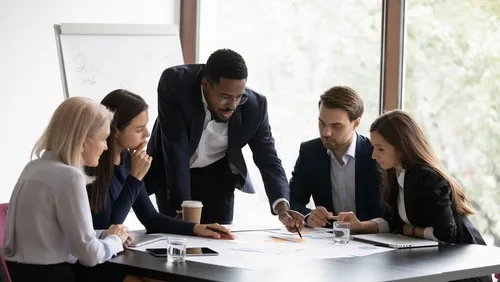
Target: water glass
[(341, 232), (176, 249)]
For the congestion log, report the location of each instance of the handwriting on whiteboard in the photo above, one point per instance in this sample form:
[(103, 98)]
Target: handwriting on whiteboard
[(88, 74), (87, 71)]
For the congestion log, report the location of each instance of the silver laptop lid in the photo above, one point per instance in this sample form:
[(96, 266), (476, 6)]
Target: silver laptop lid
[(396, 241)]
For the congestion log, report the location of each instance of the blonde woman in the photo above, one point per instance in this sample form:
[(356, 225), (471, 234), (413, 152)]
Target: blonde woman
[(49, 223)]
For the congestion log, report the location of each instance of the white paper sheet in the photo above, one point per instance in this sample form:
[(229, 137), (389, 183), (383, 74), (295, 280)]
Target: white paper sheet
[(252, 227), (260, 251)]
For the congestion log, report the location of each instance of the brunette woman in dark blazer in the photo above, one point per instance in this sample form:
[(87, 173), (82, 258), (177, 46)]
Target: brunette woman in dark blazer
[(421, 198)]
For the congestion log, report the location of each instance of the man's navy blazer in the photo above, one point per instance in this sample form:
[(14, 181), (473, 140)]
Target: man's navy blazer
[(311, 176), (178, 129)]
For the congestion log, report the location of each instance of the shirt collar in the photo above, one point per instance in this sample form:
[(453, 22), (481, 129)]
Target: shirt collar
[(203, 97), (48, 155), (401, 179), (350, 152), (208, 114)]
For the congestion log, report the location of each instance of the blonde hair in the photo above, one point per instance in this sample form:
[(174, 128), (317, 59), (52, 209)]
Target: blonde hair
[(74, 120), (401, 131)]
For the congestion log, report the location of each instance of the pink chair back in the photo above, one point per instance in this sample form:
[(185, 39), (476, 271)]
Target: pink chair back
[(3, 217), (4, 272)]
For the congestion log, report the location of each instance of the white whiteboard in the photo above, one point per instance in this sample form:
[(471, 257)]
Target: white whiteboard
[(96, 59)]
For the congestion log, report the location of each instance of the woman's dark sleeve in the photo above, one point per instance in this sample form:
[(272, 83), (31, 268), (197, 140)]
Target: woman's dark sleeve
[(437, 192), (131, 189), (156, 222)]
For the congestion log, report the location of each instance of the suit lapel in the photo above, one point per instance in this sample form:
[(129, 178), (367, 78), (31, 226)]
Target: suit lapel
[(325, 179), (234, 154), (361, 168), (409, 194), (197, 121)]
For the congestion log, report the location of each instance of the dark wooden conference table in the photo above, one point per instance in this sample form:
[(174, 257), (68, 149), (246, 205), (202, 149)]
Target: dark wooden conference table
[(443, 263)]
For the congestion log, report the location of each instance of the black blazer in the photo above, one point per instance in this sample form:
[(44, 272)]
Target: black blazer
[(177, 132), (311, 176), (428, 204)]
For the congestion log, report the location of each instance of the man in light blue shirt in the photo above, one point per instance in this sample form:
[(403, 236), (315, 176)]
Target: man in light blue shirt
[(336, 169)]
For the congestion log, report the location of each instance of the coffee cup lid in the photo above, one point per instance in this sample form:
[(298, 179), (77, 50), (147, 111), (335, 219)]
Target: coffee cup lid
[(192, 204)]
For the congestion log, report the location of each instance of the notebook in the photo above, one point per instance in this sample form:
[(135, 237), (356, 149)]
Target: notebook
[(141, 238), (395, 241)]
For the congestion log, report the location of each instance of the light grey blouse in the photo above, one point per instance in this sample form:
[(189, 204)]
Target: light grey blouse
[(49, 219)]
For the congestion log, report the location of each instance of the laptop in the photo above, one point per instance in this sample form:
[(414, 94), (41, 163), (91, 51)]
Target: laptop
[(395, 241), (141, 238)]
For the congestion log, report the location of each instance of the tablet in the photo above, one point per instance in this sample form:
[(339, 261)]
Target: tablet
[(144, 239)]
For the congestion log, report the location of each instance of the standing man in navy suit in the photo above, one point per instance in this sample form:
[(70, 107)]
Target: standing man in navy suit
[(206, 115), (337, 168)]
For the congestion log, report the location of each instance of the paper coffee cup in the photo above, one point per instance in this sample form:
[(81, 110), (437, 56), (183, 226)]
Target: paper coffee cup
[(191, 211)]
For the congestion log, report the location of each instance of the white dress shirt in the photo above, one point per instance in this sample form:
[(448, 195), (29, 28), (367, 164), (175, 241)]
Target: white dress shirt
[(213, 141), (49, 219), (213, 144), (383, 225), (342, 178)]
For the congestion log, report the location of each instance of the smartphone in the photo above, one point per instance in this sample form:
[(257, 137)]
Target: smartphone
[(200, 252), (162, 252)]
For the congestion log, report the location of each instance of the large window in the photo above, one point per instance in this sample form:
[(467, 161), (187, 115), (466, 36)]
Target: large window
[(452, 83), (295, 50)]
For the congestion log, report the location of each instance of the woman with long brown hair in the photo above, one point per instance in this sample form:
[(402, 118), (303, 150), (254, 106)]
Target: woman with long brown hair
[(420, 197), (119, 185)]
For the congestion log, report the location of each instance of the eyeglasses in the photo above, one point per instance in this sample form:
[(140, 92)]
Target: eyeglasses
[(224, 99)]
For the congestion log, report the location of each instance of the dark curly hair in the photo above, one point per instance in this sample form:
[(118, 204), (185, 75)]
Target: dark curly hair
[(225, 63)]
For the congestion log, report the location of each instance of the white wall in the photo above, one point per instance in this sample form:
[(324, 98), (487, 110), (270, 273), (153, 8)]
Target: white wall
[(30, 84)]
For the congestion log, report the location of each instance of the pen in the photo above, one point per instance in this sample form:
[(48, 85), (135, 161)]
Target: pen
[(298, 231)]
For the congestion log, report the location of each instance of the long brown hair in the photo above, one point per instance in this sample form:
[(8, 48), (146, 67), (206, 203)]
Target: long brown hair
[(126, 106), (401, 131)]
